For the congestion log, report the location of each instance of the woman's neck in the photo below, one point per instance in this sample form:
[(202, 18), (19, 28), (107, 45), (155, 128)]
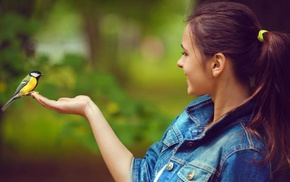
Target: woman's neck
[(228, 97)]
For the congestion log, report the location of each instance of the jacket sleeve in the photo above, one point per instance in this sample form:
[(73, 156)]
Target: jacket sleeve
[(142, 169), (245, 166)]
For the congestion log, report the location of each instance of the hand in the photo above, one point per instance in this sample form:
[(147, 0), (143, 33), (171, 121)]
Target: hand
[(77, 105)]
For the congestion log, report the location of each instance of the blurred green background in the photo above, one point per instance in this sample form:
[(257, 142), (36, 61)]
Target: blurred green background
[(122, 54)]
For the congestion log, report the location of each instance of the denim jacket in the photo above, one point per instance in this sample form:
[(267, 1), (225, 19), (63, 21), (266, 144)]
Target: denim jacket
[(189, 151)]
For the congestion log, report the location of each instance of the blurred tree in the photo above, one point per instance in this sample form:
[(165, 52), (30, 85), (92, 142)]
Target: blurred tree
[(113, 29), (109, 25)]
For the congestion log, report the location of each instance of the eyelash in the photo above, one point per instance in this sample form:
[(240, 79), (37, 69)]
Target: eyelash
[(184, 54)]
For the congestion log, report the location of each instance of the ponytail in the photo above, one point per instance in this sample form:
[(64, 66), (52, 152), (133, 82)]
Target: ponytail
[(272, 95)]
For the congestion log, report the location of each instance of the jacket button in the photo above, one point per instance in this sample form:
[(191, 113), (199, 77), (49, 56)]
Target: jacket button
[(169, 166), (190, 175), (190, 144)]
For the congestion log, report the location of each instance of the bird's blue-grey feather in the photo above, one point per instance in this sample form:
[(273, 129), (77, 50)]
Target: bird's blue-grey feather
[(22, 84)]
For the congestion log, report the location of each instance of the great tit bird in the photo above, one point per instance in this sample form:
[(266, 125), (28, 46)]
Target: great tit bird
[(27, 85)]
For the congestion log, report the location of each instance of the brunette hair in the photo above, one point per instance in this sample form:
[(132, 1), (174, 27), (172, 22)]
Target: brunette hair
[(232, 29)]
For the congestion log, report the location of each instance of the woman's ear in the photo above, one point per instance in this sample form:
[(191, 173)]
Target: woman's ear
[(218, 64)]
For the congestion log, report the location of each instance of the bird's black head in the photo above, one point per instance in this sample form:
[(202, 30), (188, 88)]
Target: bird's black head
[(35, 74)]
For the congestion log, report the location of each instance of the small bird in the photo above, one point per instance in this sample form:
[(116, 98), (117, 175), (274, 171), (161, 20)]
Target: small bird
[(25, 88)]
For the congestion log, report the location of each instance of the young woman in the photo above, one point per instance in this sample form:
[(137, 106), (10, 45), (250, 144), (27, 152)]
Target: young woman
[(230, 133)]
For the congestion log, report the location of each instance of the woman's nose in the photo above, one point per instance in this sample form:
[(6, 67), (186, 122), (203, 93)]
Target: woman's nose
[(180, 63)]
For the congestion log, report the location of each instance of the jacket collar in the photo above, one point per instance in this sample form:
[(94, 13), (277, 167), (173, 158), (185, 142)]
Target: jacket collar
[(200, 112)]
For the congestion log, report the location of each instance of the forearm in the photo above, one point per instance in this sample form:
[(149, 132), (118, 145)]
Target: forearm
[(117, 157)]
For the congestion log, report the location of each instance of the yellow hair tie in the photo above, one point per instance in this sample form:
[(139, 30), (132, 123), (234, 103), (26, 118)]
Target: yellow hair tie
[(260, 35)]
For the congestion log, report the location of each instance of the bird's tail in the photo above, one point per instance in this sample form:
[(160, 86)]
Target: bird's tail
[(9, 102)]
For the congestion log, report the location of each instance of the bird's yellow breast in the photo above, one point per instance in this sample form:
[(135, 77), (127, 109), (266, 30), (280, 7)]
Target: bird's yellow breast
[(30, 86)]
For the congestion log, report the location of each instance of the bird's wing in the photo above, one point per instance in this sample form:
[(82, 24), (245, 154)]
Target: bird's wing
[(22, 84)]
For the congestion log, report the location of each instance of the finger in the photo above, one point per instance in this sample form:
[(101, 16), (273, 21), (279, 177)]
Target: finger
[(35, 94), (38, 97), (43, 100)]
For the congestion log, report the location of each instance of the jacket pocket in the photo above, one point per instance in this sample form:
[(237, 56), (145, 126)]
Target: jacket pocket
[(193, 173)]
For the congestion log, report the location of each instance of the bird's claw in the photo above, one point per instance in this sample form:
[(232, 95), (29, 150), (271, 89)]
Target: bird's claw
[(29, 93)]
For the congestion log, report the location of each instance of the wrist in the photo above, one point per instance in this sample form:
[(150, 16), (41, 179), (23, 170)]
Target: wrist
[(90, 109)]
